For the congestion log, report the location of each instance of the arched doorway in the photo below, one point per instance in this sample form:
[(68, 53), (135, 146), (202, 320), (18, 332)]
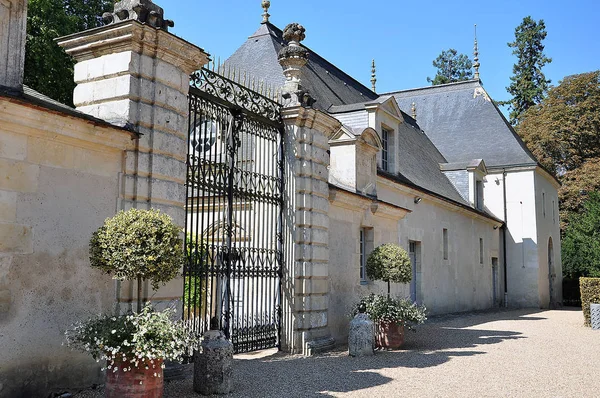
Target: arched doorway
[(551, 274)]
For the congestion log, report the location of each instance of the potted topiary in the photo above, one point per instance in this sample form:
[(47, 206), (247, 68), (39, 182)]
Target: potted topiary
[(134, 347), (391, 316), (390, 263), (135, 245), (138, 245)]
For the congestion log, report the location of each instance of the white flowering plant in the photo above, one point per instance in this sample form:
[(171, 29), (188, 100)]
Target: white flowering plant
[(133, 340)]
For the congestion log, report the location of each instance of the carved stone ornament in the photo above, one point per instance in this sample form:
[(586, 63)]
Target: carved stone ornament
[(293, 58), (144, 11), (294, 32)]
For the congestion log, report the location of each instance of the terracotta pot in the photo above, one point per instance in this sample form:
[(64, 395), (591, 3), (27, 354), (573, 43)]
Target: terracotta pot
[(390, 335), (137, 383)]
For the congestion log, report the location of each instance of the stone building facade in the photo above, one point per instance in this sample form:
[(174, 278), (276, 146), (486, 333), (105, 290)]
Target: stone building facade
[(359, 172)]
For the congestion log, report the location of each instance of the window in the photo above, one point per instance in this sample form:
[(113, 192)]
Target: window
[(553, 213), (481, 251), (366, 246), (544, 203), (385, 137), (414, 252), (363, 256), (479, 195), (445, 239)]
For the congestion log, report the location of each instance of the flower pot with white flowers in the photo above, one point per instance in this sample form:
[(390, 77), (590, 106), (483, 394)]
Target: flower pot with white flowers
[(135, 245), (391, 263)]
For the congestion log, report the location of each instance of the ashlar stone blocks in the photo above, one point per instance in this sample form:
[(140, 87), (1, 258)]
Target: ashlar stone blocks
[(307, 160)]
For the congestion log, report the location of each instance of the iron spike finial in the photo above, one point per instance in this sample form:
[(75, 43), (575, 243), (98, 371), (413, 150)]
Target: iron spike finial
[(266, 4), (476, 63), (373, 76), (414, 110)]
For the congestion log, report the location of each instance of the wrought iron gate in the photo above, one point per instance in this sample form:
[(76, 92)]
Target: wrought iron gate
[(234, 242)]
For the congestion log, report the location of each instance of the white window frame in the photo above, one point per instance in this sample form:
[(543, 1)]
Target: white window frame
[(385, 148)]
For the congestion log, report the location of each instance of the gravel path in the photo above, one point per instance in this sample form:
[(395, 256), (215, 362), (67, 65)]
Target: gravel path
[(516, 353)]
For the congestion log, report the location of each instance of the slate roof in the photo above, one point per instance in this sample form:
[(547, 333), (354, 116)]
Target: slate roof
[(30, 96), (464, 124), (419, 164), (325, 82), (335, 109), (336, 92)]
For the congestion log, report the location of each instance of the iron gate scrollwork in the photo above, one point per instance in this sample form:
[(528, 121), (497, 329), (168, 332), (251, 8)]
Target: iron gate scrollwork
[(234, 244)]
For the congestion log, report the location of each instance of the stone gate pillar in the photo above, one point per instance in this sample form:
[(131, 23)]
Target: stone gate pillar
[(306, 141), (133, 72)]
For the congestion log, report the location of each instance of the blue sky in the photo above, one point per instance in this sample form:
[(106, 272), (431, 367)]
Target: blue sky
[(403, 36)]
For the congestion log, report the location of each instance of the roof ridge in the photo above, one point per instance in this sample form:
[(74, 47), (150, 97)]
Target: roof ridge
[(437, 87)]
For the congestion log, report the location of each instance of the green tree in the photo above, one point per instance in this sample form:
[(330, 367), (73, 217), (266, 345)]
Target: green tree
[(529, 85), (563, 132), (581, 242), (451, 67), (48, 69)]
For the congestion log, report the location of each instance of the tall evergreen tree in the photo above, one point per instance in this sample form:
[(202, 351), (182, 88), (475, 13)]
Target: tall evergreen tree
[(451, 67), (48, 69), (529, 85)]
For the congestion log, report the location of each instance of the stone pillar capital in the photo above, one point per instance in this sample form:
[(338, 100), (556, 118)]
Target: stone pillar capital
[(311, 118), (138, 38)]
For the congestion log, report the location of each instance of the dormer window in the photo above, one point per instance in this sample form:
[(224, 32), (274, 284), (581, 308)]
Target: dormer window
[(385, 153)]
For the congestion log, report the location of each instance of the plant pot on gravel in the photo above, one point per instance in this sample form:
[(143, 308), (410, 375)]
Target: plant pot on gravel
[(134, 347), (391, 316), (136, 245), (390, 263)]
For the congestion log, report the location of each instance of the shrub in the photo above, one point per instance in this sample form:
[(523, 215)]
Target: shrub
[(581, 241), (389, 263), (132, 339), (388, 309), (590, 294), (136, 244)]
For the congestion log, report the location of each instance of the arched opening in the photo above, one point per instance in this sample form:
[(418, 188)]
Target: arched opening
[(551, 274)]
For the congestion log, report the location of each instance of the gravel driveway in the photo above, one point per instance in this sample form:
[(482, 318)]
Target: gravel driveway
[(516, 353)]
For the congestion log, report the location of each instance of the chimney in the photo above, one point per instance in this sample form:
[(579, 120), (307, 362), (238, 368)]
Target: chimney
[(13, 32)]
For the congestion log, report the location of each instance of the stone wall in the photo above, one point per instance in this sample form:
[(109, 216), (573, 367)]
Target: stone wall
[(61, 177)]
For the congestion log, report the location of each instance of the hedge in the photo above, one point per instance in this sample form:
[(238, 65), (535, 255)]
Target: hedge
[(590, 294)]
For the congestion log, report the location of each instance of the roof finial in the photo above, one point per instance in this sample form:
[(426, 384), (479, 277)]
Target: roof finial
[(265, 5), (476, 63), (373, 76), (414, 110)]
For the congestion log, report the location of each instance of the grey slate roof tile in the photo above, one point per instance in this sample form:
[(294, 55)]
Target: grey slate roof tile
[(464, 124), (29, 95), (326, 83), (338, 93)]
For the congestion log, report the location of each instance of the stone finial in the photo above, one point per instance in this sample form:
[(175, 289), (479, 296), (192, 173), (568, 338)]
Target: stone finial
[(144, 11), (373, 76), (413, 108), (266, 4), (293, 58), (294, 33), (476, 63)]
